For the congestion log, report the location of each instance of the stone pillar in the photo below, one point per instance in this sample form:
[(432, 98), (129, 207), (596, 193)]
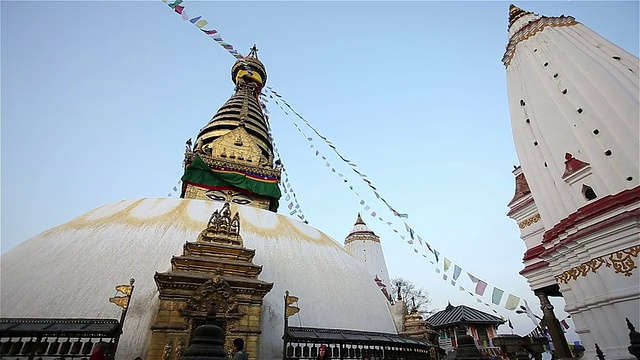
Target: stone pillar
[(553, 325)]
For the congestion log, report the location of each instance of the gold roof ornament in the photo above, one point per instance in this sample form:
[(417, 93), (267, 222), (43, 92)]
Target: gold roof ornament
[(223, 227), (242, 110)]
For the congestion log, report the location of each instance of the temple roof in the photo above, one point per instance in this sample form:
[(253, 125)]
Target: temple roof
[(461, 314)]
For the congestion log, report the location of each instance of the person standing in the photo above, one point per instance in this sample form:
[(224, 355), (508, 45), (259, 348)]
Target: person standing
[(238, 349), (323, 353)]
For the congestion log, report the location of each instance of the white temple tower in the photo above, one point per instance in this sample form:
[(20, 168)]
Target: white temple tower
[(575, 108), (365, 246)]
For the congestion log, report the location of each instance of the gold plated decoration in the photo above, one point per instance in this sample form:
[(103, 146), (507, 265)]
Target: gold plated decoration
[(530, 221), (222, 227), (622, 261), (216, 270), (214, 291)]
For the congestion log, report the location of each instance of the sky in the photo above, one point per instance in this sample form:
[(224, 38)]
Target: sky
[(98, 99)]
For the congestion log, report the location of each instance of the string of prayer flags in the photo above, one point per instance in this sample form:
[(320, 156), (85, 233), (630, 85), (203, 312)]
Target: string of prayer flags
[(174, 190), (200, 23), (294, 206), (330, 144)]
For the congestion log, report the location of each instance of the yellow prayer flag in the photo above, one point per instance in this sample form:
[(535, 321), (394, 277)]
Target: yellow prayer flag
[(201, 23), (292, 310), (122, 301), (125, 289), (512, 302), (447, 264), (291, 299)]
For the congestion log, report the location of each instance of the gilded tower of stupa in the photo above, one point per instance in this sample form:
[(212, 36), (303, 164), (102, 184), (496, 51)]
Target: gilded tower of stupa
[(232, 158)]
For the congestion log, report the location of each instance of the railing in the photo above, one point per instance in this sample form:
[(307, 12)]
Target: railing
[(29, 338)]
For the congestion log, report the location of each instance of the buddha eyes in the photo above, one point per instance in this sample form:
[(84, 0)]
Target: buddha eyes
[(241, 201), (215, 197)]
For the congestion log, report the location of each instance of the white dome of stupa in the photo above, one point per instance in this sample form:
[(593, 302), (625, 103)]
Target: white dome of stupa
[(71, 270)]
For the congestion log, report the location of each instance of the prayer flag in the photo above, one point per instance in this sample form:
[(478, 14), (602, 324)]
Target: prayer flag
[(480, 287), (510, 324), (456, 272), (496, 297), (565, 324), (121, 301), (447, 264), (195, 19), (512, 302), (530, 314)]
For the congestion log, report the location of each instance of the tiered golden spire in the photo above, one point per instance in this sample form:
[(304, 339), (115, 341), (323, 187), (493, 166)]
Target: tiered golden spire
[(251, 145), (232, 158)]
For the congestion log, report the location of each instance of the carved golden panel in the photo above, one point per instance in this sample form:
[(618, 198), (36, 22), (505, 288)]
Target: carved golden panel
[(622, 261), (237, 146), (530, 221)]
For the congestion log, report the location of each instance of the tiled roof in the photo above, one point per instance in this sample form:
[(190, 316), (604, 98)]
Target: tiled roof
[(455, 315)]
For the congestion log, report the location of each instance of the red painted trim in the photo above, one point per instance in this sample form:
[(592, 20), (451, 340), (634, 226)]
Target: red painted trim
[(536, 266), (610, 222), (593, 210), (534, 252)]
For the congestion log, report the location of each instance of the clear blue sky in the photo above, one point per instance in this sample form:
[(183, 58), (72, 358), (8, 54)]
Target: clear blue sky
[(98, 99)]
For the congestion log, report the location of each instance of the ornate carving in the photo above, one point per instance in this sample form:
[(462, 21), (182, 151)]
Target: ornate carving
[(267, 171), (216, 290), (622, 261), (530, 221), (166, 352), (179, 349), (237, 146), (222, 227)]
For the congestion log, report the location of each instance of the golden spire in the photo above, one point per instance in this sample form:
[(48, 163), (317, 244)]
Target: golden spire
[(236, 144)]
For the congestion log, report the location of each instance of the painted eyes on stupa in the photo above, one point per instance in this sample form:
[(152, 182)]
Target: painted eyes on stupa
[(241, 200), (215, 196)]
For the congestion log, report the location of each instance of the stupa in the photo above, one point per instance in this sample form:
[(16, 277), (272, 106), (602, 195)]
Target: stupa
[(221, 243), (365, 245), (574, 105)]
